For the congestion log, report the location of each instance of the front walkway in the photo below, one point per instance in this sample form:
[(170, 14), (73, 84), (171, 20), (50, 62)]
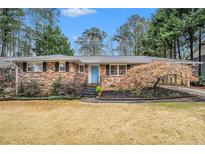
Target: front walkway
[(190, 90)]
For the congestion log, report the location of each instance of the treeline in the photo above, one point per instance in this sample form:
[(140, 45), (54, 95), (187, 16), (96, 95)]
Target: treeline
[(175, 33), (26, 32), (171, 33)]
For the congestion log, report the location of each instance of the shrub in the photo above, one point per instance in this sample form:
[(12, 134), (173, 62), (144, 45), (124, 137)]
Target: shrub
[(98, 89), (74, 87), (5, 83), (202, 80), (58, 86), (8, 92), (31, 89)]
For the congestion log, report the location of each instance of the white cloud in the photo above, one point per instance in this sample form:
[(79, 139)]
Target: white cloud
[(75, 12)]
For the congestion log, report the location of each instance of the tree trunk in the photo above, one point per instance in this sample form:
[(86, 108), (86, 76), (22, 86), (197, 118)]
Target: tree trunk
[(155, 85), (4, 35), (175, 54), (170, 49), (19, 29), (178, 48), (165, 53), (200, 51), (14, 45), (164, 50), (191, 37)]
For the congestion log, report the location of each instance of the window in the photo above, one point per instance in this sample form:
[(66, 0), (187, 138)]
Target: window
[(35, 67), (31, 68), (61, 67), (113, 70), (81, 68), (118, 69), (122, 69)]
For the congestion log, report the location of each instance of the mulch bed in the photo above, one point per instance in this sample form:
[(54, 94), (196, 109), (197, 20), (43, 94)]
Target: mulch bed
[(148, 93)]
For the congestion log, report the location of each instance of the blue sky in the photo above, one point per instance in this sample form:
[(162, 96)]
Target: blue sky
[(74, 21)]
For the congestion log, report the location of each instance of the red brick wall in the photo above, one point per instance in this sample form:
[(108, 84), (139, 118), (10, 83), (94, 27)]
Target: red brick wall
[(47, 78), (109, 82)]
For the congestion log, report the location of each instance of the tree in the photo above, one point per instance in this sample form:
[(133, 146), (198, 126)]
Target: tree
[(110, 46), (92, 42), (165, 31), (174, 32), (21, 28), (150, 75), (8, 26), (188, 27), (131, 36), (52, 41), (39, 19), (200, 22)]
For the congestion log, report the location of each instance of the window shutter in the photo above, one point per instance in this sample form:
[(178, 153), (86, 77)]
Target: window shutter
[(128, 67), (77, 68), (44, 66), (24, 66), (67, 66), (57, 66), (107, 70)]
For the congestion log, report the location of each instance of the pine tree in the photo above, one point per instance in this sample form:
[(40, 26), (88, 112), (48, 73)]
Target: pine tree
[(52, 41), (130, 36), (92, 42)]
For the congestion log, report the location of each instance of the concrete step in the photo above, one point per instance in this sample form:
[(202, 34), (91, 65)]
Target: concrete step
[(90, 87), (89, 96), (90, 90), (89, 93)]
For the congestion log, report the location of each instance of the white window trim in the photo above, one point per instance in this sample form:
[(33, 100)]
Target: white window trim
[(59, 67), (125, 69), (35, 67), (110, 69), (118, 72), (83, 68)]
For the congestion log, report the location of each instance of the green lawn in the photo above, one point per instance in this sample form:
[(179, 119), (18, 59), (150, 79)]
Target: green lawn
[(72, 122)]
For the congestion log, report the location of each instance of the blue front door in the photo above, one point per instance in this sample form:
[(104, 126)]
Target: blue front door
[(94, 74)]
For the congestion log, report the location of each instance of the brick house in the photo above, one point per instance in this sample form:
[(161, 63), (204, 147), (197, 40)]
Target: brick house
[(104, 70)]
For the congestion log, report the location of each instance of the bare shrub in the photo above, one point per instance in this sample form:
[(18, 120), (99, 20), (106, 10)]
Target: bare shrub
[(74, 86), (58, 86), (9, 92), (5, 83)]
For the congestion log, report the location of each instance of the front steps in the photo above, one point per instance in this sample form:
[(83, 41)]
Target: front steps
[(89, 91)]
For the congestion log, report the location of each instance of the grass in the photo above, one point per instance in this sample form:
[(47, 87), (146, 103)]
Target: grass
[(179, 105), (72, 122)]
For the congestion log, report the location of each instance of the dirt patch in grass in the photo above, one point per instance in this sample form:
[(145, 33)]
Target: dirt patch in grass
[(72, 122)]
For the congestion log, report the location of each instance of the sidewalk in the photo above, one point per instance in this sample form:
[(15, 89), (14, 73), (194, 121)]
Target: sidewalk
[(190, 90)]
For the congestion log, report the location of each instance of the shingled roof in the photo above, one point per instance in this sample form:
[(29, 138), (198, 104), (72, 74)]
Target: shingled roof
[(97, 59)]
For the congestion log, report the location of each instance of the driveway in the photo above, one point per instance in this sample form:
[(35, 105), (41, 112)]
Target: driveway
[(190, 90)]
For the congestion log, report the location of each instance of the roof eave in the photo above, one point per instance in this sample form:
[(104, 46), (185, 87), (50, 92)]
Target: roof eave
[(192, 62)]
